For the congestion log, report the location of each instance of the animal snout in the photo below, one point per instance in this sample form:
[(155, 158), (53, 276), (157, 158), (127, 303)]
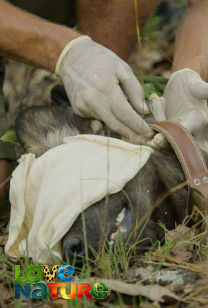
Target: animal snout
[(73, 248)]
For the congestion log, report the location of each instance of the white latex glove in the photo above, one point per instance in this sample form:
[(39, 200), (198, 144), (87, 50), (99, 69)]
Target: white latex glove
[(100, 85), (186, 97), (157, 107)]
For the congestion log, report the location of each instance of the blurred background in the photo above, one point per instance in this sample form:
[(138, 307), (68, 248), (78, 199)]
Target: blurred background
[(158, 39)]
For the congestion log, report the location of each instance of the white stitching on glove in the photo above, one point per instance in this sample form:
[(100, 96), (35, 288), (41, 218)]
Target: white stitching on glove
[(186, 97), (100, 85)]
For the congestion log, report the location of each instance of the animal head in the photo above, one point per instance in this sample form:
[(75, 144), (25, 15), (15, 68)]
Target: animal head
[(132, 215)]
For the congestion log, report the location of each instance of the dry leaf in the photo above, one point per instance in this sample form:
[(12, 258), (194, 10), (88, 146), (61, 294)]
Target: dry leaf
[(138, 272), (153, 292), (49, 305), (182, 251), (59, 303), (5, 293)]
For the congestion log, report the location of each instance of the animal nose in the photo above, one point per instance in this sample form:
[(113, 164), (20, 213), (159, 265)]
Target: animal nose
[(73, 248)]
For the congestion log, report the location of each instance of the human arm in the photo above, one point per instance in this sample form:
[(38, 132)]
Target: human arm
[(98, 83), (112, 23), (187, 92), (27, 38), (192, 41)]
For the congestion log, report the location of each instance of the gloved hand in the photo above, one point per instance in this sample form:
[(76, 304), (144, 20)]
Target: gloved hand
[(157, 107), (186, 97), (102, 86)]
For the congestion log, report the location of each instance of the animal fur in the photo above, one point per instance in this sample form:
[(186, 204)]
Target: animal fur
[(41, 128)]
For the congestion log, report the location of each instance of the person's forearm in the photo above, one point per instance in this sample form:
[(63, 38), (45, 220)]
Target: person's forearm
[(191, 44), (112, 23), (30, 39)]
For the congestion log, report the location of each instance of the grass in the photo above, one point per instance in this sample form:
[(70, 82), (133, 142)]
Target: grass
[(116, 263)]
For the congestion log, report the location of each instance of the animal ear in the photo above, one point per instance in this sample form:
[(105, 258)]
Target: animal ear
[(59, 96)]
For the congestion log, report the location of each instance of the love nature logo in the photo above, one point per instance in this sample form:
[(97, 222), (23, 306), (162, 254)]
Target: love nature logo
[(35, 289)]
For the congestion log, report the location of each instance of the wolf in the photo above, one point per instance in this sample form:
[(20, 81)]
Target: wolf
[(131, 215)]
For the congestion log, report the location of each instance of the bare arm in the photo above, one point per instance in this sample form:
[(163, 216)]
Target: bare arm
[(112, 22), (30, 39), (191, 44), (186, 93)]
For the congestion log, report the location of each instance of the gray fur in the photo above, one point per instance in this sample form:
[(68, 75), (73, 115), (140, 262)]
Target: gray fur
[(41, 128)]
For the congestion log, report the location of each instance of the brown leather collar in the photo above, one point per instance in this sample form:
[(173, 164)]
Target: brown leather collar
[(191, 160)]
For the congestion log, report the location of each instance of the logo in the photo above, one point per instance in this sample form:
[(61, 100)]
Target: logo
[(31, 286)]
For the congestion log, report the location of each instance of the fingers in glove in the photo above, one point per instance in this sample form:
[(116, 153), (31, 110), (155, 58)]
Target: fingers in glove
[(200, 89), (134, 92), (158, 141), (125, 114), (157, 107), (192, 123), (113, 123), (84, 112)]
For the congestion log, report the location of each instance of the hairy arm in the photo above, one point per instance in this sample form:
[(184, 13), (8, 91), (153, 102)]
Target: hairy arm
[(27, 38), (32, 40), (192, 40), (112, 23)]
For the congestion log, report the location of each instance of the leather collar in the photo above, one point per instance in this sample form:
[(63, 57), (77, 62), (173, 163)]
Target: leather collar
[(191, 160)]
